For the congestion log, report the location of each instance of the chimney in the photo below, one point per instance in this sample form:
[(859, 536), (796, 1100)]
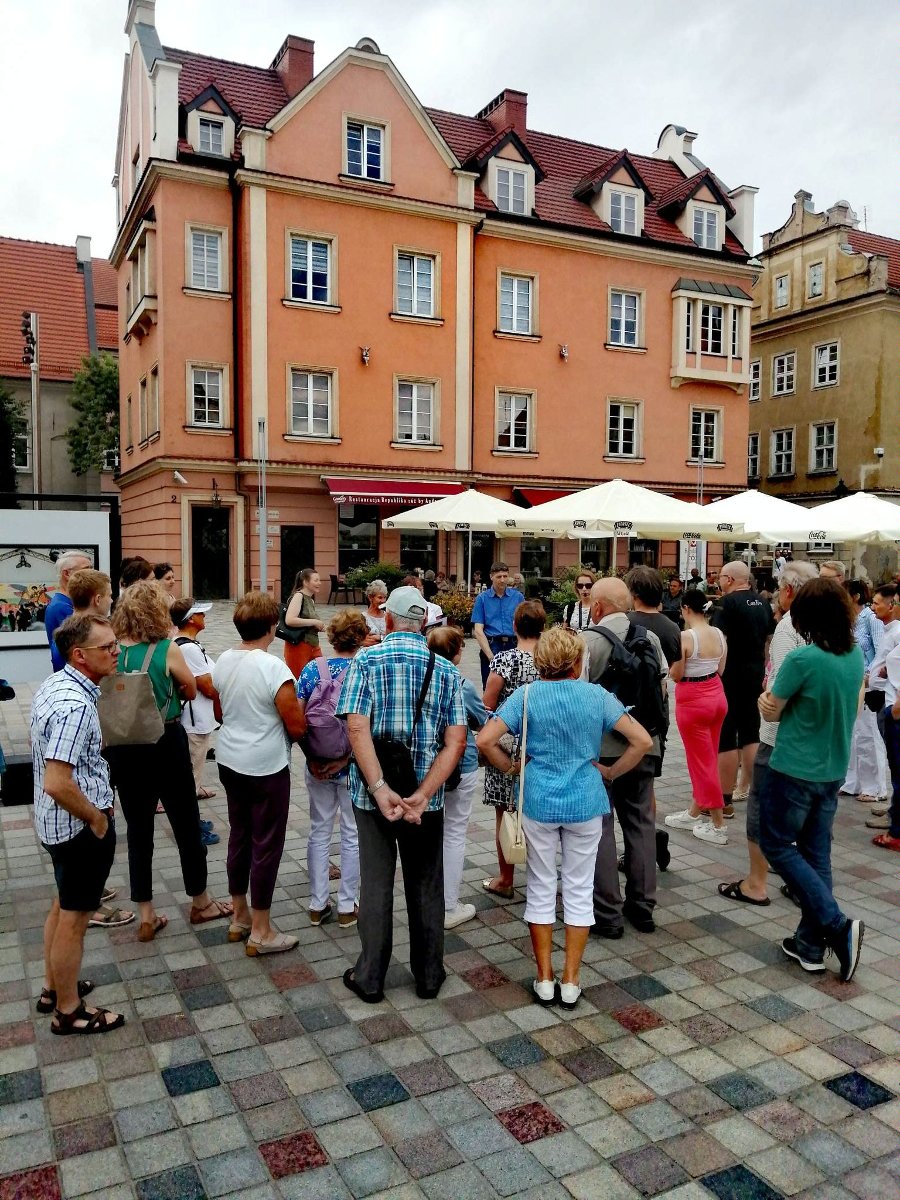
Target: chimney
[(741, 224), (509, 108), (294, 63), (82, 249)]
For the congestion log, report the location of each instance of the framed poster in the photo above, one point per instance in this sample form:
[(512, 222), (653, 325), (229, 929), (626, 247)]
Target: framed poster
[(28, 578)]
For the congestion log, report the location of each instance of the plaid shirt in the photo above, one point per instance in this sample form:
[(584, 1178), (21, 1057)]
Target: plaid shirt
[(65, 728), (383, 684)]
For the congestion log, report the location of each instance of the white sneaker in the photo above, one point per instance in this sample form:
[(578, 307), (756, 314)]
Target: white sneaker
[(568, 994), (459, 915), (707, 832), (545, 991), (682, 820)]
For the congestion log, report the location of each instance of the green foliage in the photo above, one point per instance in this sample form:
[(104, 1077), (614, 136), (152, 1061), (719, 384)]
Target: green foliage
[(360, 577), (12, 425), (95, 399)]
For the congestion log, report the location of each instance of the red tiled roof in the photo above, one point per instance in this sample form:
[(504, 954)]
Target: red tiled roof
[(106, 292), (255, 93), (874, 243), (683, 191), (107, 329), (44, 278)]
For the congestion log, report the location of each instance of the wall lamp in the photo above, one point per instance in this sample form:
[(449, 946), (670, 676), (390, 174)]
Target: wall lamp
[(216, 498), (564, 352), (364, 355)]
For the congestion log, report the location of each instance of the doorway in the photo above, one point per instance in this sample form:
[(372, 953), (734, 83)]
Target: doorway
[(482, 558), (211, 553), (298, 550)]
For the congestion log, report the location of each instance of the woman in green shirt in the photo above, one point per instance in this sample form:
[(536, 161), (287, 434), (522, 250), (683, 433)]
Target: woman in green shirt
[(815, 700)]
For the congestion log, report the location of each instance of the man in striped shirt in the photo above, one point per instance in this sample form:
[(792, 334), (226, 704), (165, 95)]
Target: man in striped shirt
[(73, 812)]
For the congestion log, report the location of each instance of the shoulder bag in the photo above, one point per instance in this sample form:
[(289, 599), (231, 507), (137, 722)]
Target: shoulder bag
[(293, 634), (127, 708), (395, 757), (512, 839)]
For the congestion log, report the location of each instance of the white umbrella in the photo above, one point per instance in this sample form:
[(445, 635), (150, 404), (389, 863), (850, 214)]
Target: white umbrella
[(860, 518), (758, 512)]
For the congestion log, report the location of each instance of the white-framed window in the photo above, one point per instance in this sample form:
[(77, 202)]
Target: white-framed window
[(415, 412), (515, 303), (753, 456), (823, 446), (310, 269), (782, 291), (153, 402), (365, 150), (622, 428), (623, 217), (624, 318), (755, 378), (815, 280), (22, 452), (826, 365), (206, 397), (711, 321), (782, 452), (206, 260), (735, 332), (129, 439), (212, 136), (142, 411), (689, 325), (706, 227), (705, 434), (311, 407), (784, 369), (111, 459), (415, 284), (515, 421), (512, 190)]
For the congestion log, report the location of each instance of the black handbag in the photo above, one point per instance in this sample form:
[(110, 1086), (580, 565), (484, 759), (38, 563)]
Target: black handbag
[(395, 756), (293, 634), (874, 700)]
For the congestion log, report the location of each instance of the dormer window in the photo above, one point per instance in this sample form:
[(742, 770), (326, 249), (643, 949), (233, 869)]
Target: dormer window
[(623, 208), (706, 227), (512, 190), (212, 136), (365, 150)]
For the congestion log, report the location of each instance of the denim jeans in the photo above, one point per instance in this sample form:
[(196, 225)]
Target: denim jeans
[(796, 817), (890, 731)]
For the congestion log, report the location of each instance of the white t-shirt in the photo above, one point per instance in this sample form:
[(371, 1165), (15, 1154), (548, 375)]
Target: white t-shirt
[(252, 740), (197, 716)]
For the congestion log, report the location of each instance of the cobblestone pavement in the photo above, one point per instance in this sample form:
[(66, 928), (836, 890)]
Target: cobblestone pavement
[(699, 1063)]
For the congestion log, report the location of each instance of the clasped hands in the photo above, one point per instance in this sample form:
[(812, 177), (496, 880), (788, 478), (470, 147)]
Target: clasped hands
[(395, 808), (767, 707)]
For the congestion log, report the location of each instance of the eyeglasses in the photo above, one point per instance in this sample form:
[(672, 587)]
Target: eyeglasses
[(584, 587), (109, 647)]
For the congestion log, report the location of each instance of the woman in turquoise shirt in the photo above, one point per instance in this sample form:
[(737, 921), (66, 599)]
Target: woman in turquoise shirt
[(564, 799)]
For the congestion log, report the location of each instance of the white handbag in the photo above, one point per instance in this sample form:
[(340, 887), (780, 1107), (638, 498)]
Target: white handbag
[(512, 839)]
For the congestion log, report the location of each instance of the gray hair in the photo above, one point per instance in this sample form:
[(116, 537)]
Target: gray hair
[(406, 624), (376, 588), (795, 574), (838, 567), (69, 559)]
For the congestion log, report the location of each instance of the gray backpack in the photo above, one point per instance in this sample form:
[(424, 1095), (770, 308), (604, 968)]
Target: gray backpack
[(127, 708)]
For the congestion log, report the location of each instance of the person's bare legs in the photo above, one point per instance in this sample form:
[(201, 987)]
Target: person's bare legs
[(542, 945), (714, 814), (728, 767), (66, 952), (755, 883), (49, 933), (507, 870), (258, 919), (576, 940), (748, 758)]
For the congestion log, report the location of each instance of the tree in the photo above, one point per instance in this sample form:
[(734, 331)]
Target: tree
[(12, 425), (95, 399)]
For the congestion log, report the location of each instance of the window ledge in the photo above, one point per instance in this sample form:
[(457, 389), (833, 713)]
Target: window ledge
[(629, 349), (144, 444), (129, 449), (311, 437), (753, 478), (783, 476), (717, 464), (207, 293), (143, 317), (818, 387), (154, 436), (510, 336), (500, 453), (378, 185), (816, 473), (625, 458), (215, 430), (416, 446), (311, 305), (413, 319), (778, 395)]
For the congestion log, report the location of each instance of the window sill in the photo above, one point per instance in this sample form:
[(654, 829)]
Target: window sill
[(206, 293), (416, 446), (785, 475), (625, 458), (753, 479), (215, 430), (129, 449), (778, 395), (818, 472), (500, 453), (311, 437), (629, 349), (510, 336), (311, 306), (378, 185), (716, 464), (819, 387), (412, 319)]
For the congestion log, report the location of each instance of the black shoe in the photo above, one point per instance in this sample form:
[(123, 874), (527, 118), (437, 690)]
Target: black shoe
[(663, 857), (789, 946), (846, 946), (366, 997), (210, 755), (430, 993), (641, 922), (789, 895), (612, 932)]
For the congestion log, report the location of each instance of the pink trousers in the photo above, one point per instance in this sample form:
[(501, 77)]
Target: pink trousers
[(700, 709)]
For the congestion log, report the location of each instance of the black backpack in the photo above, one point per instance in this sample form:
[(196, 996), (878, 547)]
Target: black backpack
[(632, 675)]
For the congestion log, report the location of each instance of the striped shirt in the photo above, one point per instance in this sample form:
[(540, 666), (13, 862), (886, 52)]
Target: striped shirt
[(383, 683), (65, 728), (868, 632)]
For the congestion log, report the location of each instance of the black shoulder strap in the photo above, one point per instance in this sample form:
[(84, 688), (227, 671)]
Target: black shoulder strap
[(180, 641), (426, 683)]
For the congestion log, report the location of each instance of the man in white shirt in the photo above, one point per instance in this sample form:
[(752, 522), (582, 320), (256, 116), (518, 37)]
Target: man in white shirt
[(884, 676), (197, 716)]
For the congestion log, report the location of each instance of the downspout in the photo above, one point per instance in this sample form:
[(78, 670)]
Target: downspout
[(237, 357), (475, 231)]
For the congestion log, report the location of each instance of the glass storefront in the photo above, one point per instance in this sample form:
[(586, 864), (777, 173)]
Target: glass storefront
[(595, 554), (537, 558), (357, 535), (419, 551), (642, 553)]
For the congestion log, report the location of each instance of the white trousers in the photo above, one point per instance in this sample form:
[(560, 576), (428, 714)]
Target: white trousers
[(457, 809), (580, 841), (867, 773), (329, 798)]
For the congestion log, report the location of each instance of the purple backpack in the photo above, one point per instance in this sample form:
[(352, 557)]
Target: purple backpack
[(326, 734)]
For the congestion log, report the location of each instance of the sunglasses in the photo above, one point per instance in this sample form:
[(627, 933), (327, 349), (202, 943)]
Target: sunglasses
[(584, 587)]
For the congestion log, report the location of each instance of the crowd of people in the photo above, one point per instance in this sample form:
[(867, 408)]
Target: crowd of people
[(571, 727)]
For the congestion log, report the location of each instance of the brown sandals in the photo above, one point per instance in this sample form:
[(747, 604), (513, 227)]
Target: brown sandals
[(95, 1022), (47, 999)]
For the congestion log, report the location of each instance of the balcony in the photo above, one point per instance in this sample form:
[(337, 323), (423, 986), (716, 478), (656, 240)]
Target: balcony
[(143, 317)]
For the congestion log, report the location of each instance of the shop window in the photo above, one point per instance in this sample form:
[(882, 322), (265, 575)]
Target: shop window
[(537, 558), (418, 551), (357, 535)]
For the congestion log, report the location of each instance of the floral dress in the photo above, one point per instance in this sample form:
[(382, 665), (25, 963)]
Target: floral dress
[(515, 668)]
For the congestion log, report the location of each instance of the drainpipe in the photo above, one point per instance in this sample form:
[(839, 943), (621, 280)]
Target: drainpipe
[(237, 358)]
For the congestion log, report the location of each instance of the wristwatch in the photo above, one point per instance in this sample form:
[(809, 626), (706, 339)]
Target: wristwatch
[(380, 783)]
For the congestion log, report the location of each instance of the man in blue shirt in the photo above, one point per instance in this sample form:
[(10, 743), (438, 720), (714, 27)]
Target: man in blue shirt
[(60, 605), (492, 617)]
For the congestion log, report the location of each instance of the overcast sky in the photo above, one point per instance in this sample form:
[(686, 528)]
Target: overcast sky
[(783, 94)]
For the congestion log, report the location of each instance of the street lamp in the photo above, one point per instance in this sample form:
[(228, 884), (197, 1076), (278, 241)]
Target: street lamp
[(262, 506), (31, 357)]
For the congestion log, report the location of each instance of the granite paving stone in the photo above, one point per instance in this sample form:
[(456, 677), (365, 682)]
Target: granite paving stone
[(738, 1183), (650, 1170)]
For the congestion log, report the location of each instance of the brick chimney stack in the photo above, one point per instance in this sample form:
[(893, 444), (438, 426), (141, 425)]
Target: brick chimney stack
[(294, 63), (509, 108)]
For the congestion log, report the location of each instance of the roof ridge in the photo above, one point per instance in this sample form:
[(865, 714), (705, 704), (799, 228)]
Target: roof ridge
[(36, 242), (231, 62)]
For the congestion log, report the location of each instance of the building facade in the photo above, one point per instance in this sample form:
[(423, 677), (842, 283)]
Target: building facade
[(384, 303)]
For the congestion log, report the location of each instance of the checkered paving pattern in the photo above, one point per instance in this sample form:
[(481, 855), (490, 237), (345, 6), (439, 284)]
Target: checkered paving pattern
[(699, 1063)]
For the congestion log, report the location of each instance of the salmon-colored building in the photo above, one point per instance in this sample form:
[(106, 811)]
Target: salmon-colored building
[(387, 303)]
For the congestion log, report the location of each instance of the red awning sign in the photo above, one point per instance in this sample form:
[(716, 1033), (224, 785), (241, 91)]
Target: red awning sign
[(535, 496), (388, 491)]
